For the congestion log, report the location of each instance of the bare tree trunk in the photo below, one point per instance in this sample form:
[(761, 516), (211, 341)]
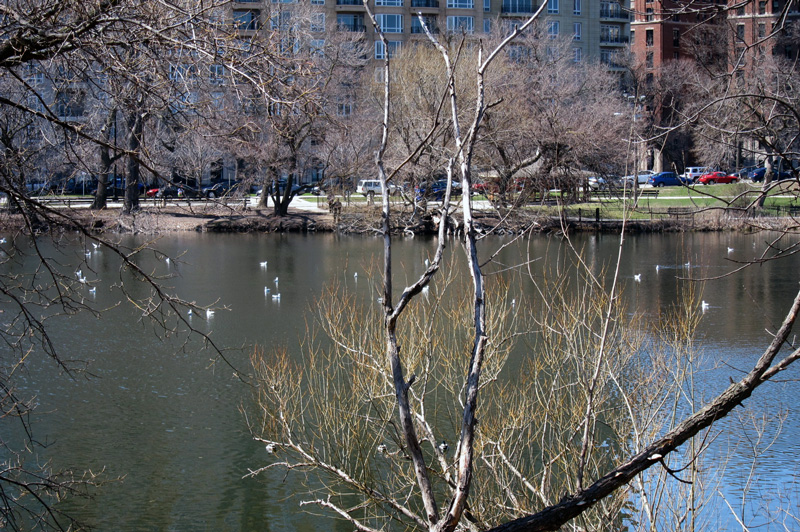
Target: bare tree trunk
[(135, 127), (769, 175), (101, 195)]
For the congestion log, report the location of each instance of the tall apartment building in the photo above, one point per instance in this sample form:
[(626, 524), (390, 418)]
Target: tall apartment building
[(598, 28)]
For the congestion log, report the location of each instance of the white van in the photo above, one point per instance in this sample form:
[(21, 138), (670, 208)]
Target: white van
[(372, 186)]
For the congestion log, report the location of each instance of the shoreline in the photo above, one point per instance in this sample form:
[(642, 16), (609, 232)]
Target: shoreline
[(218, 218)]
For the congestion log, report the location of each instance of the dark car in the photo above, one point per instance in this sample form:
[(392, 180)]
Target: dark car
[(668, 179), (219, 189), (758, 174), (116, 187), (177, 191), (435, 191)]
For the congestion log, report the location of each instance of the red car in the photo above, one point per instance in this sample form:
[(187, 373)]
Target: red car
[(717, 177), (151, 193)]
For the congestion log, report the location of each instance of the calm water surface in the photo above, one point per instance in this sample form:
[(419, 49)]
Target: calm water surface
[(162, 414)]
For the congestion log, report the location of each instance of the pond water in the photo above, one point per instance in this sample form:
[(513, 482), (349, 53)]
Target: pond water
[(162, 414)]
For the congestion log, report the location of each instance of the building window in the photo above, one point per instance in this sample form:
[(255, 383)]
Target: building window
[(762, 30), (776, 6), (648, 15), (578, 31), (344, 107), (281, 21), (317, 46), (347, 22), (487, 5), (762, 7), (389, 3), (70, 103), (430, 22), (487, 25), (318, 22), (552, 29), (552, 6), (465, 24), (391, 49), (577, 55), (648, 38), (576, 7), (608, 57), (390, 23), (216, 74), (649, 60), (740, 32), (245, 19), (317, 2), (676, 55), (676, 38), (610, 34), (633, 36), (461, 4), (740, 11)]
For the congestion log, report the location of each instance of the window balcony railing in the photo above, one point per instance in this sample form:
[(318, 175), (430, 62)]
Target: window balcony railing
[(518, 6), (614, 39), (425, 3), (351, 26), (419, 29), (616, 14)]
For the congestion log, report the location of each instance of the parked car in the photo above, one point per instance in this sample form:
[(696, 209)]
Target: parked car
[(219, 189), (717, 177), (605, 183), (177, 191), (668, 179), (373, 186), (281, 186), (692, 173), (435, 190), (758, 174), (81, 185), (116, 187), (151, 192), (335, 184), (642, 178), (742, 173)]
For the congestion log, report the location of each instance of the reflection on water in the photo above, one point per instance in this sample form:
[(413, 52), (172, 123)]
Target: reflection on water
[(161, 413)]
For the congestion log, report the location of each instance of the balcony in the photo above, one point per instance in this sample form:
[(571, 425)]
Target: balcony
[(419, 29), (614, 14), (356, 26), (518, 7), (433, 4), (612, 40)]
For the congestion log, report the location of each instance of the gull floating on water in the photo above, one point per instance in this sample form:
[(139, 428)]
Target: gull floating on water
[(264, 264), (657, 267), (638, 277), (92, 290), (266, 290), (96, 245), (189, 313), (209, 313), (443, 447), (276, 297), (730, 250), (355, 276), (3, 240), (704, 306)]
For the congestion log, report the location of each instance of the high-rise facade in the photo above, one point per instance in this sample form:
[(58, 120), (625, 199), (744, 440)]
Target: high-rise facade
[(598, 29)]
